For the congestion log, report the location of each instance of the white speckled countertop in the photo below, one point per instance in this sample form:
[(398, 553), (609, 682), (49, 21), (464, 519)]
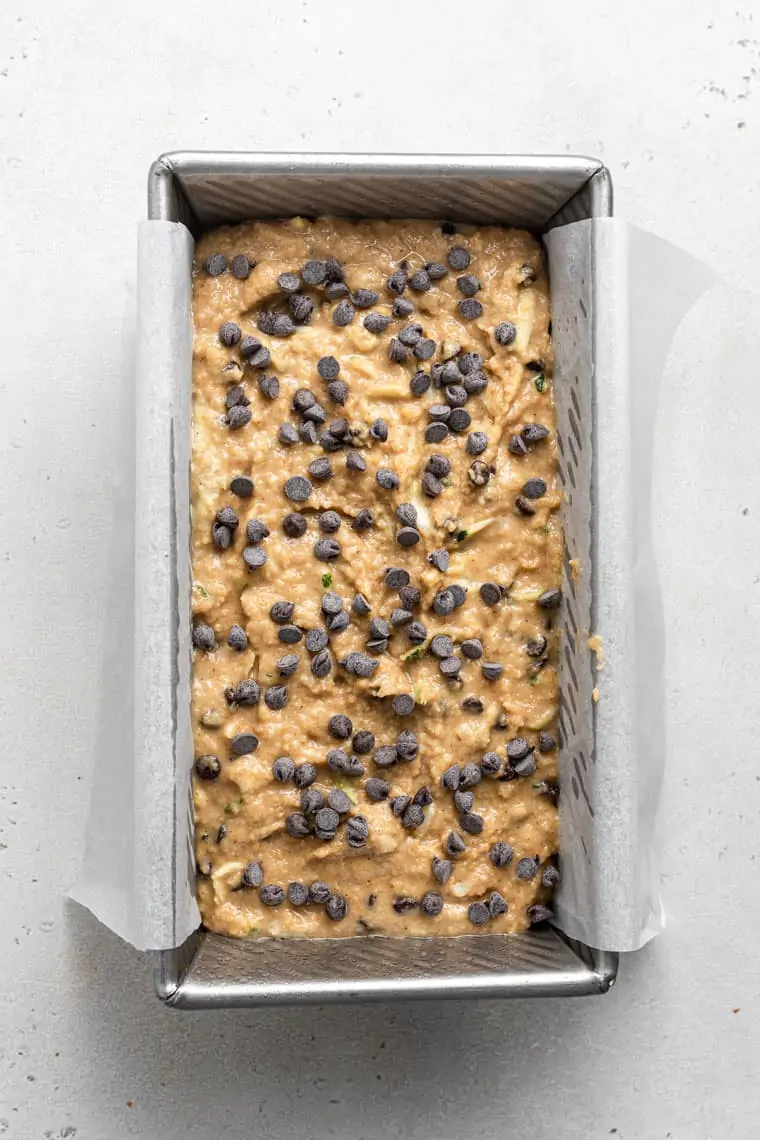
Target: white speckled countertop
[(668, 94)]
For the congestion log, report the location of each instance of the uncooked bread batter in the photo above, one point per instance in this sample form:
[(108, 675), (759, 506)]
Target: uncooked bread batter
[(376, 559)]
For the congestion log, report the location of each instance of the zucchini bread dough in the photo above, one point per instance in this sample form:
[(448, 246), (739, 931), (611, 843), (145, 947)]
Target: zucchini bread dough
[(376, 558)]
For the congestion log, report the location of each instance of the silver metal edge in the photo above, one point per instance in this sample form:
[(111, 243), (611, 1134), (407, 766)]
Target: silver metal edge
[(167, 202)]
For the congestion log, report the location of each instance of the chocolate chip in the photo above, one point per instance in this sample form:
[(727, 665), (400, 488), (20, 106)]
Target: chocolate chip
[(451, 777), (518, 748), (546, 742), (475, 382), (337, 391), (287, 434), (505, 333), (550, 876), (361, 606), (527, 868), (215, 265), (297, 489), (439, 466), (459, 420), (357, 831), (378, 627), (242, 486), (497, 904), (403, 704), (524, 507), (303, 399), (534, 433), (458, 257), (455, 845), (237, 638), (419, 384), (410, 335), (550, 599), (288, 664), (536, 648), (471, 823), (289, 282), (431, 904), (473, 704), (327, 549), (208, 767), (308, 432), (431, 485), (254, 557), (387, 479), (402, 904), (402, 308), (377, 789), (468, 285), (455, 395), (203, 637), (463, 801), (440, 412), (407, 746), (272, 895), (320, 469), (385, 756), (400, 617), (439, 559), (343, 313), (478, 913), (477, 442), (442, 869), (360, 664), (289, 634), (436, 433), (396, 283), (539, 913), (416, 632), (238, 417), (314, 272), (301, 308), (276, 324), (413, 817), (327, 819), (490, 763), (282, 612), (297, 825), (471, 776), (407, 536), (355, 461), (491, 670), (435, 270), (333, 270), (490, 593), (443, 603), (379, 430), (396, 578), (244, 743), (276, 697), (419, 281), (534, 489), (322, 663), (501, 854), (319, 892), (245, 694), (526, 766), (470, 309), (364, 742), (229, 334), (241, 266), (396, 351), (339, 801), (331, 603), (316, 640), (364, 298), (305, 775), (253, 875), (316, 414), (312, 800), (298, 894), (376, 322), (248, 346), (256, 531), (516, 446)]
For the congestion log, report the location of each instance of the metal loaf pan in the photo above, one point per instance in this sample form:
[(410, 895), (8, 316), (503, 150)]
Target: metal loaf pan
[(204, 190)]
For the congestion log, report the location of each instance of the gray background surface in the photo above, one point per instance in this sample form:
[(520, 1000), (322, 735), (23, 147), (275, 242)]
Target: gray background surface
[(668, 94)]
